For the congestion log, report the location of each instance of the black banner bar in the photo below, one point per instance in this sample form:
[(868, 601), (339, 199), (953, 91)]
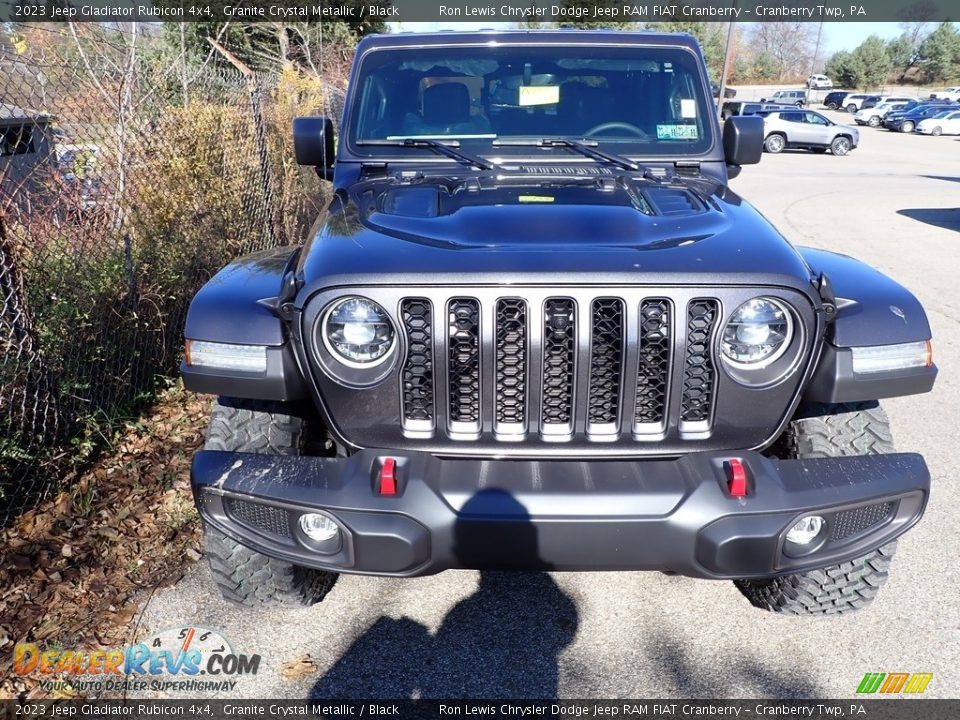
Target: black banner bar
[(669, 709), (453, 11)]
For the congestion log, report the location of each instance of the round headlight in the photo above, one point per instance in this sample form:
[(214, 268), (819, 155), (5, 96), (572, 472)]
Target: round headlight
[(358, 332), (759, 332)]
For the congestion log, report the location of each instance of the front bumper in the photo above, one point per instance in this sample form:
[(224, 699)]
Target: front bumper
[(670, 515)]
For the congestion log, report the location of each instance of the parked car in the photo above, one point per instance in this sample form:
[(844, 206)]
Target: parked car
[(950, 93), (871, 101), (834, 100), (853, 101), (728, 92), (742, 107), (873, 116), (943, 123), (907, 121), (509, 344), (808, 130), (819, 82), (788, 97)]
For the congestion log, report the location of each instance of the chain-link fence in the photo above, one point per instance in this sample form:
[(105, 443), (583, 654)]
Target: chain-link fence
[(129, 173)]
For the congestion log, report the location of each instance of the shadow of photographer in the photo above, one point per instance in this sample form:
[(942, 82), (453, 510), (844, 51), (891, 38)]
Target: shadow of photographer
[(504, 640)]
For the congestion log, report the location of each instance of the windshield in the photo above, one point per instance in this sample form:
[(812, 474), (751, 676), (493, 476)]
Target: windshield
[(637, 100)]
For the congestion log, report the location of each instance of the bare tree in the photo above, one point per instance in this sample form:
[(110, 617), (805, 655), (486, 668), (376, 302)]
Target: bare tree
[(790, 44)]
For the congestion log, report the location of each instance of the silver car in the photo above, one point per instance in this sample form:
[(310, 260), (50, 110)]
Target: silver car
[(807, 130)]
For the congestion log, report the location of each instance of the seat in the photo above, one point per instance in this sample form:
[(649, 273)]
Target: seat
[(445, 110)]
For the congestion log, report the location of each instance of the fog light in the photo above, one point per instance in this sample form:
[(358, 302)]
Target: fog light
[(321, 530), (806, 530)]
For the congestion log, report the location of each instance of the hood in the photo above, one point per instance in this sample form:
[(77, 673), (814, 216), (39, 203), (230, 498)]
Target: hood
[(600, 229)]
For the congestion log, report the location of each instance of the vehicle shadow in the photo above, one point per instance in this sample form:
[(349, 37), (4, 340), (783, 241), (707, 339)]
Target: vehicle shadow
[(504, 640), (943, 177), (947, 218)]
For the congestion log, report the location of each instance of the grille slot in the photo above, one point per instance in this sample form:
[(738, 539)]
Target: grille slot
[(606, 364), (855, 521), (418, 366), (463, 365), (559, 365), (653, 370), (265, 518), (699, 373), (674, 201), (511, 366)]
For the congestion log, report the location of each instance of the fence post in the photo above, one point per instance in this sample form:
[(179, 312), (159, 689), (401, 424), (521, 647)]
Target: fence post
[(260, 134)]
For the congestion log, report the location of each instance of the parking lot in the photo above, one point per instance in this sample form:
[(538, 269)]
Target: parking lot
[(893, 202)]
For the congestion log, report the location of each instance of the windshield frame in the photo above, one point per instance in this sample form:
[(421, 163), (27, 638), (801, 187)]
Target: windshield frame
[(352, 151)]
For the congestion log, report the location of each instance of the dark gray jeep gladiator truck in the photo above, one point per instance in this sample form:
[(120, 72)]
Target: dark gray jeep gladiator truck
[(535, 329)]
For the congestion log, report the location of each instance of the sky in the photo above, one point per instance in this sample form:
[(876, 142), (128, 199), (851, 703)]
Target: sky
[(836, 35)]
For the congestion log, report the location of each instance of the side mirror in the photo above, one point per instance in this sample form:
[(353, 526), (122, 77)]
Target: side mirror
[(743, 140), (313, 144)]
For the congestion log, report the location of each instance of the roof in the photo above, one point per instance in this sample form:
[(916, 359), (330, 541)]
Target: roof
[(10, 113), (520, 37)]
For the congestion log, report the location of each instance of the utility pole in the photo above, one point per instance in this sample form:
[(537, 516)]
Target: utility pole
[(726, 63)]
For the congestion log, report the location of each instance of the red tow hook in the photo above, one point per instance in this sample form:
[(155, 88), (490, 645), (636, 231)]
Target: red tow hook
[(388, 477), (736, 478)]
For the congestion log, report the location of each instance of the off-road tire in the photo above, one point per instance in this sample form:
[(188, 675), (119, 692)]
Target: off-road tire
[(246, 577), (823, 431)]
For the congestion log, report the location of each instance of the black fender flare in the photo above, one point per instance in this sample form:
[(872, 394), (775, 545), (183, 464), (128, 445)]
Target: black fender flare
[(241, 305), (872, 309)]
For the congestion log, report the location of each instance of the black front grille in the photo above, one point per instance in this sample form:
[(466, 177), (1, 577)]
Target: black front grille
[(654, 366), (606, 361), (559, 360), (463, 338), (266, 518), (699, 374), (418, 366), (853, 522), (511, 361)]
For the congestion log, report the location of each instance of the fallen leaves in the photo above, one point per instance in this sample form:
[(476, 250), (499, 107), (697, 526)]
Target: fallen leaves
[(302, 667), (74, 569)]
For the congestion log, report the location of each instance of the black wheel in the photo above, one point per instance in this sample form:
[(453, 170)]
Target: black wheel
[(832, 105), (840, 145), (823, 431), (246, 577), (774, 143), (907, 126), (851, 108)]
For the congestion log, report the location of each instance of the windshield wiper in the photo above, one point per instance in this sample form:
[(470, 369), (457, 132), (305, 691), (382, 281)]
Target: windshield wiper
[(579, 146), (438, 147)]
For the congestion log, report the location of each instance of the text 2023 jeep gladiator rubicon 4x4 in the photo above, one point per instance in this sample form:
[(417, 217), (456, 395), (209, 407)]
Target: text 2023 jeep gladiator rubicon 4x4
[(536, 330)]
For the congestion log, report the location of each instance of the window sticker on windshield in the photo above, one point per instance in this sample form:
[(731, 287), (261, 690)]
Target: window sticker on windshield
[(677, 132), (688, 108), (539, 95)]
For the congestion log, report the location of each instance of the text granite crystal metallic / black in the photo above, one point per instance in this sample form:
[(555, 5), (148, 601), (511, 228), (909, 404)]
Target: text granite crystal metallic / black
[(536, 329)]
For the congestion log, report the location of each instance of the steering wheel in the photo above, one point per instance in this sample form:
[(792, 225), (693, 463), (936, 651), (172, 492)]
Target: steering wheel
[(603, 127)]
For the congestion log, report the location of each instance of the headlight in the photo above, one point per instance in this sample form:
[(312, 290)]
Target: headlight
[(759, 333), (358, 332)]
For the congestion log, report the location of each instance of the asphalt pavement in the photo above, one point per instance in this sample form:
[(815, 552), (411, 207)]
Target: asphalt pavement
[(894, 203)]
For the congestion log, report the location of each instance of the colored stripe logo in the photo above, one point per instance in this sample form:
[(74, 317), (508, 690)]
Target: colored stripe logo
[(894, 683)]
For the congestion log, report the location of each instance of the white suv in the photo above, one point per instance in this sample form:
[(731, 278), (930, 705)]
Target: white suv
[(819, 82), (808, 130), (950, 93), (874, 116)]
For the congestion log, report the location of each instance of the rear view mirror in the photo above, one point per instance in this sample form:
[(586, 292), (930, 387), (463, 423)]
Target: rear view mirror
[(313, 143), (743, 140)]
